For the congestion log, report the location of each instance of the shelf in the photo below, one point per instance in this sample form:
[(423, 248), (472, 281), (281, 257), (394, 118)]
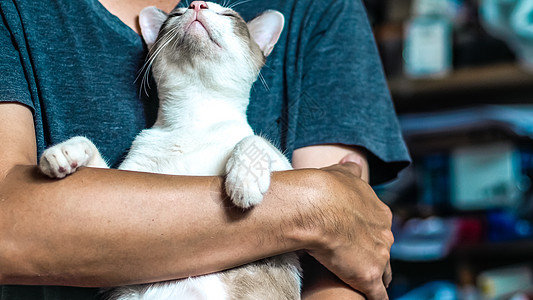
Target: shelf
[(488, 255), (494, 84), (514, 249), (469, 87)]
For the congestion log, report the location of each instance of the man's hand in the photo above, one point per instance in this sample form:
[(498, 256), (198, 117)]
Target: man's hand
[(353, 231)]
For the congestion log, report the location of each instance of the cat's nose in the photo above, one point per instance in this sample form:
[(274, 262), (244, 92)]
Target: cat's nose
[(197, 5)]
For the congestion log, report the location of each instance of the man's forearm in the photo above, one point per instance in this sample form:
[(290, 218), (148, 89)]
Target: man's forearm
[(109, 227)]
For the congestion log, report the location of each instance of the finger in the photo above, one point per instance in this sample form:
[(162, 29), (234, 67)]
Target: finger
[(387, 275), (378, 292), (352, 167), (373, 287)]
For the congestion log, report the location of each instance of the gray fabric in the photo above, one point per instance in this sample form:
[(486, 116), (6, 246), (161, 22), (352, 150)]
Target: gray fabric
[(74, 64), (326, 84)]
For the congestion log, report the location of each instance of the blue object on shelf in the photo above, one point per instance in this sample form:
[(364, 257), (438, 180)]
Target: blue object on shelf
[(506, 226), (437, 290), (424, 240), (517, 119), (511, 22)]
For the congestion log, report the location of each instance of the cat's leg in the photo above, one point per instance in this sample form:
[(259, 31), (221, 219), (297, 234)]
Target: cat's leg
[(65, 158), (249, 168)]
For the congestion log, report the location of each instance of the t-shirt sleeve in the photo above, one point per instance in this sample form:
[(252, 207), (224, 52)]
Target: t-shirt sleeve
[(14, 85), (345, 98)]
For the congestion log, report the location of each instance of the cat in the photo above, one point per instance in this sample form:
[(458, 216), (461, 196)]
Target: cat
[(204, 59)]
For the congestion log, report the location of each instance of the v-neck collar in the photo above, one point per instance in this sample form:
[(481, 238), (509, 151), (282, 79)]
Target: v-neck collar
[(115, 23)]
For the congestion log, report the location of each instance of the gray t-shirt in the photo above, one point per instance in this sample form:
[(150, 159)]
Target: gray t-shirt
[(75, 65)]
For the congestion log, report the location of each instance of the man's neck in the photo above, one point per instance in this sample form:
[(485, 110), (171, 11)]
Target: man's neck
[(128, 10)]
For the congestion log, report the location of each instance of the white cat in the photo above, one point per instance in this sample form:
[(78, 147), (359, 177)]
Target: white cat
[(204, 59)]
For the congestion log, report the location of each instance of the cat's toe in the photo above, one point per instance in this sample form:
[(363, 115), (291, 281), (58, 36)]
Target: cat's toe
[(246, 191), (63, 159), (54, 164), (76, 154), (245, 197)]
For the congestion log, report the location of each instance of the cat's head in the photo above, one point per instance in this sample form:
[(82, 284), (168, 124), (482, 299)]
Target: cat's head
[(207, 36)]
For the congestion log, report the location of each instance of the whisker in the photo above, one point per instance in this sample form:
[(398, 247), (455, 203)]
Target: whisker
[(264, 82), (267, 66), (143, 73), (152, 55), (232, 6)]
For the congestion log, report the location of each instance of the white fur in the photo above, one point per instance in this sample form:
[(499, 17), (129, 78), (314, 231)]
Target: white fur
[(201, 129), (209, 287)]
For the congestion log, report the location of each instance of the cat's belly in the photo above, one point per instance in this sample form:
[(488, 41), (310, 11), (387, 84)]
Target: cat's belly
[(209, 287), (164, 153), (198, 163)]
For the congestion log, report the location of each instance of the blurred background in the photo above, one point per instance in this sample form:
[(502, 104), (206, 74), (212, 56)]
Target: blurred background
[(461, 78)]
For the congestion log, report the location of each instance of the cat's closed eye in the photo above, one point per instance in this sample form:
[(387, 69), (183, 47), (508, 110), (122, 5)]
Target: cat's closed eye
[(177, 13), (229, 13)]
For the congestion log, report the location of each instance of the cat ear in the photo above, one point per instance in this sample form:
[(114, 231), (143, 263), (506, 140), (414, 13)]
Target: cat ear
[(266, 30), (151, 19)]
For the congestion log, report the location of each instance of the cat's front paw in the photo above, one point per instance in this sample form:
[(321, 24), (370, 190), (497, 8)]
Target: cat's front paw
[(248, 172), (246, 186), (65, 158)]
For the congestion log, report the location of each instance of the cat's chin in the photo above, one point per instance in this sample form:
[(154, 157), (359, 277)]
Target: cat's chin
[(197, 28), (201, 43)]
